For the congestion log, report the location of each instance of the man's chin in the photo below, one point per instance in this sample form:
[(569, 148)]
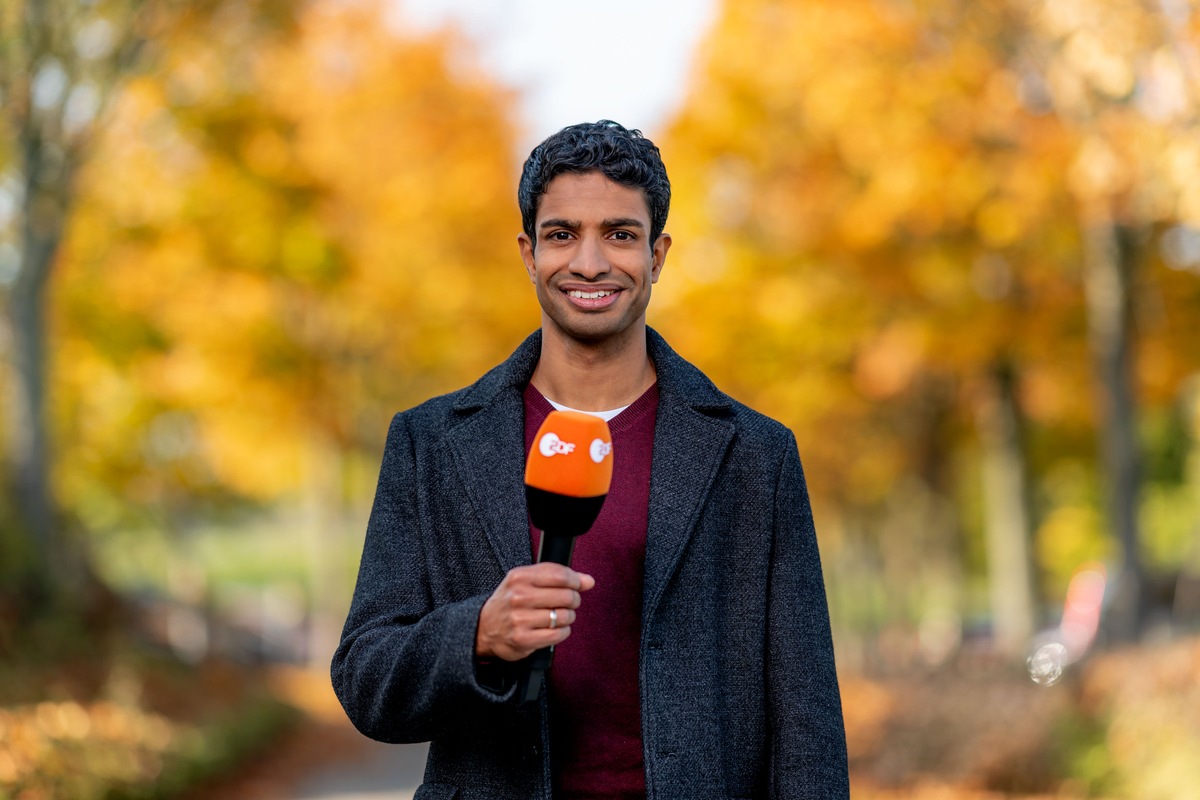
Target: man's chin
[(600, 332)]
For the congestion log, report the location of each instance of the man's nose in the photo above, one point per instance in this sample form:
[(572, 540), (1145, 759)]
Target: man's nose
[(590, 261)]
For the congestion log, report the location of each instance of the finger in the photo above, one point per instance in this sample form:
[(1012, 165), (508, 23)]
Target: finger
[(539, 618), (542, 598), (562, 617), (558, 575), (558, 598), (554, 576)]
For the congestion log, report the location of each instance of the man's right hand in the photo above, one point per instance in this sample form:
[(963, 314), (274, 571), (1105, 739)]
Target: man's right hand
[(515, 620)]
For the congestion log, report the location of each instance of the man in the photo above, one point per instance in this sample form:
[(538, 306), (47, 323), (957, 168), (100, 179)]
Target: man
[(693, 654)]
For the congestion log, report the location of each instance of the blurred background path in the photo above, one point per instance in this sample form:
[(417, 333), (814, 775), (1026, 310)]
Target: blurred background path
[(322, 757), (379, 771)]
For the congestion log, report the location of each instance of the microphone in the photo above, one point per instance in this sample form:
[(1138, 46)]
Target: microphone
[(566, 480)]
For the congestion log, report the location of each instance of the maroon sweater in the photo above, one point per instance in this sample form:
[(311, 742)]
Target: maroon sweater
[(595, 712)]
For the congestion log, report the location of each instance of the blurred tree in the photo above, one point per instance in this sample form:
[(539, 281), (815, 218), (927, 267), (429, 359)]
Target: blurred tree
[(61, 64), (882, 189), (1125, 78)]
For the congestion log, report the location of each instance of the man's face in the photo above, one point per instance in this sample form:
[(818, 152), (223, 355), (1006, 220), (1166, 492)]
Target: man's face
[(594, 263)]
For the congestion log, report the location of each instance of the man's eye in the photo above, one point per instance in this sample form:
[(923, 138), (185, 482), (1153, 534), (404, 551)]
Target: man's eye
[(560, 236), (622, 236)]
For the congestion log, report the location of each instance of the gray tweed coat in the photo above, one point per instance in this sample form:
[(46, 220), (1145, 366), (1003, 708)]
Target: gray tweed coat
[(738, 690)]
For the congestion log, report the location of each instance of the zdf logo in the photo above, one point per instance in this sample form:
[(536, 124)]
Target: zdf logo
[(599, 449), (551, 445)]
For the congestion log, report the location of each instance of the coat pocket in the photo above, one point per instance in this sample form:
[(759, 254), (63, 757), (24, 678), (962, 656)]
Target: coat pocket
[(436, 791)]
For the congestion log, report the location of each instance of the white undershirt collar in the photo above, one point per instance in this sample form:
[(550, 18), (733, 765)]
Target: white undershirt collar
[(604, 415)]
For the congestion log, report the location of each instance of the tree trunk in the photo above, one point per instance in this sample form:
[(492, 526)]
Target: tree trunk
[(28, 440), (1108, 270), (940, 628), (1007, 515)]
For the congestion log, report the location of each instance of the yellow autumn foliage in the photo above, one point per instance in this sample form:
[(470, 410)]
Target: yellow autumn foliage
[(279, 247)]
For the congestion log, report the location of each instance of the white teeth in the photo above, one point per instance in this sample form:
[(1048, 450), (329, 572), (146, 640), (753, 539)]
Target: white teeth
[(588, 295)]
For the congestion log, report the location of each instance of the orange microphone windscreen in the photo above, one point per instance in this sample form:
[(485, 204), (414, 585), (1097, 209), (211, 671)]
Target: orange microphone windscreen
[(571, 455)]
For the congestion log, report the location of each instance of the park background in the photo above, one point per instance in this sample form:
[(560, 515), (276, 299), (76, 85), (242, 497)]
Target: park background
[(954, 245)]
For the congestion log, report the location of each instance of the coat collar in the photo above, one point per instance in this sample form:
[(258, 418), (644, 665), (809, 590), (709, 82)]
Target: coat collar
[(692, 433), (676, 377)]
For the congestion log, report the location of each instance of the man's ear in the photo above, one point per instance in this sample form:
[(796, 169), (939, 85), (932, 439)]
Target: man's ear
[(526, 245), (659, 253)]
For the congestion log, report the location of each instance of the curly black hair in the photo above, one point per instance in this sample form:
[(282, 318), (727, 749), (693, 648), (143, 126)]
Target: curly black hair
[(621, 155)]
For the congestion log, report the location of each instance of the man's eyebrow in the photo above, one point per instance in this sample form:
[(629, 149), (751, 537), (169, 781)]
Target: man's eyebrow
[(622, 222), (569, 224)]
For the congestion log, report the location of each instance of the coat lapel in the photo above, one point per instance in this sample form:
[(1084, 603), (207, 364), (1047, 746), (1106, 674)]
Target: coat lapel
[(487, 444), (688, 450), (691, 436), (489, 453)]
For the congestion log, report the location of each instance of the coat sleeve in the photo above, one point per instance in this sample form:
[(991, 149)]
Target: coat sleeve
[(405, 670), (808, 739)]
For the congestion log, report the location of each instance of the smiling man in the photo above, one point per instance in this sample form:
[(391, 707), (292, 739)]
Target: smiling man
[(693, 655)]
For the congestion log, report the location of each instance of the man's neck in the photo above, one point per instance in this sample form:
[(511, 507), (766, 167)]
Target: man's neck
[(593, 377)]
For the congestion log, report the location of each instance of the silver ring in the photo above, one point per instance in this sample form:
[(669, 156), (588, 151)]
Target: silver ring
[(554, 618)]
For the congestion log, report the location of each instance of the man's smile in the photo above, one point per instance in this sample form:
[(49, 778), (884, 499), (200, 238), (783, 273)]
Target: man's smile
[(592, 295), (590, 299)]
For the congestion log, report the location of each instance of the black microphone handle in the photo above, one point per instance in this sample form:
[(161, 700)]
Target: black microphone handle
[(556, 550)]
